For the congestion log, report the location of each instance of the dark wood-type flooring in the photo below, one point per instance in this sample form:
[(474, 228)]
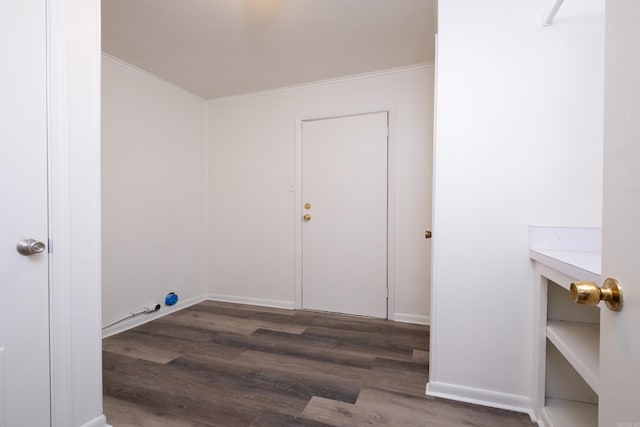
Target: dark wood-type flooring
[(221, 364)]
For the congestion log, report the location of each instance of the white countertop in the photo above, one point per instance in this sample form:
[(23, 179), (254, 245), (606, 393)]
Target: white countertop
[(572, 251), (580, 265)]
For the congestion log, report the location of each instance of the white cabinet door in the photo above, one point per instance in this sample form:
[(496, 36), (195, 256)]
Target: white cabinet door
[(344, 243), (620, 331), (24, 316)]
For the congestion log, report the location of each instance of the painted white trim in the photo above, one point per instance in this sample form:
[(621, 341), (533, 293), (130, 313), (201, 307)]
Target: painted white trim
[(477, 396), (433, 363), (141, 319), (3, 403), (298, 220), (205, 198), (59, 214), (391, 196), (301, 86), (73, 103), (336, 80), (148, 75), (100, 421), (289, 305), (543, 419), (412, 318), (539, 296), (391, 213)]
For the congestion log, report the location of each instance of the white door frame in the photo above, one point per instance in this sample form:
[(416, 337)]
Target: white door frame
[(391, 200), (59, 206), (73, 109)]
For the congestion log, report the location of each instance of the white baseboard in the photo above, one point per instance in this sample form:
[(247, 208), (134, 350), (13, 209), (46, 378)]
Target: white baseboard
[(477, 396), (412, 318), (543, 419), (290, 305), (144, 318), (100, 421)]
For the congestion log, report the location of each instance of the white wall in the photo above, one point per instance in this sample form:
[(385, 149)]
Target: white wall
[(153, 191), (519, 142), (252, 161)]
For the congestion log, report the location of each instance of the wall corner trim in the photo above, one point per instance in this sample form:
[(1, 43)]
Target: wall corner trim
[(100, 421), (478, 396), (330, 81), (411, 318), (147, 74)]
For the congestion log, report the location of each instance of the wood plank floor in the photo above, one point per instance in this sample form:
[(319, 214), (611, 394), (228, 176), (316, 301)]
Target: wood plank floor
[(221, 364)]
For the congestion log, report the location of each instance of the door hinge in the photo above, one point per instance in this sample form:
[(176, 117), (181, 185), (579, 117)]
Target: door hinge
[(49, 246)]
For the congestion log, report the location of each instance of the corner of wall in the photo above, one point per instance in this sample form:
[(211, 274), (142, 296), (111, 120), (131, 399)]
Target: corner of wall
[(100, 421), (207, 200), (477, 396)]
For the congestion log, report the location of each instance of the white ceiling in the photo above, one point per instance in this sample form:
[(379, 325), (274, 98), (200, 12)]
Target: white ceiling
[(216, 48)]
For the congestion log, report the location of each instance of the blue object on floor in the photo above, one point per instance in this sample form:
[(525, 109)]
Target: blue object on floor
[(171, 298)]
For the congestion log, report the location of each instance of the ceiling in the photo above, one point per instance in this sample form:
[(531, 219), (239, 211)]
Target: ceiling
[(216, 48)]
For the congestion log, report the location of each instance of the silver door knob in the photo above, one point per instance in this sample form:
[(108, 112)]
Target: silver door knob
[(28, 247)]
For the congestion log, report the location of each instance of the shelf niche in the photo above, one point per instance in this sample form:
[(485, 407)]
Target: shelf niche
[(572, 360)]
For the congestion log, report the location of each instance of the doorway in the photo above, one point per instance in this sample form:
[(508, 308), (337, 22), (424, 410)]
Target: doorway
[(344, 195)]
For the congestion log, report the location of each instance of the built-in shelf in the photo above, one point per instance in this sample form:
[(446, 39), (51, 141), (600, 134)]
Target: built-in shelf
[(566, 413), (579, 343), (566, 335)]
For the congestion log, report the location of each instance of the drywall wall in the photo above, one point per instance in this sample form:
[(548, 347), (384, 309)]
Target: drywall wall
[(518, 142), (252, 176), (153, 191)]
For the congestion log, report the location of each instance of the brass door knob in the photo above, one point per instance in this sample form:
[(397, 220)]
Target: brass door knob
[(591, 294), (306, 217)]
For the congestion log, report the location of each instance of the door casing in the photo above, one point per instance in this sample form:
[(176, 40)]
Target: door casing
[(73, 97), (391, 161)]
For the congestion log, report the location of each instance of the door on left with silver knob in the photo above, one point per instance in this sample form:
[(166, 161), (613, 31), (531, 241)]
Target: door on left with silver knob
[(29, 247)]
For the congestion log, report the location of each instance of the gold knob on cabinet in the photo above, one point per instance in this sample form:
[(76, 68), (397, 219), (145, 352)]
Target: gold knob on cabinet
[(307, 205), (591, 294), (306, 217)]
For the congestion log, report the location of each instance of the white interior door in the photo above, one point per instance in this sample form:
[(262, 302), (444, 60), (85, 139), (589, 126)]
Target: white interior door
[(619, 404), (344, 243), (24, 316)]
